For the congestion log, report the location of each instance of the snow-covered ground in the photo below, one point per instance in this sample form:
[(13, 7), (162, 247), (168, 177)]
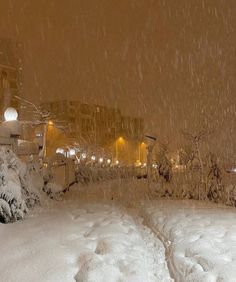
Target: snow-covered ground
[(71, 240), (200, 238), (112, 231)]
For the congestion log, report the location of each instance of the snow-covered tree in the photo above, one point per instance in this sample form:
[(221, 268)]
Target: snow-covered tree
[(215, 186), (41, 116), (164, 164), (17, 191), (196, 162)]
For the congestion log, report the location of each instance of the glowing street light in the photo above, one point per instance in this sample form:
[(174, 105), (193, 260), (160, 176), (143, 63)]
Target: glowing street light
[(100, 160), (72, 152), (12, 123), (119, 140), (141, 150), (108, 161), (12, 126), (93, 158), (84, 156), (60, 151), (10, 114)]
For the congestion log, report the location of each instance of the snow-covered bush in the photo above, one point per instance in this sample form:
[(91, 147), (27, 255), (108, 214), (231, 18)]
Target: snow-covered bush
[(95, 173), (17, 191), (230, 195), (53, 190), (164, 164), (217, 185), (31, 183), (214, 181)]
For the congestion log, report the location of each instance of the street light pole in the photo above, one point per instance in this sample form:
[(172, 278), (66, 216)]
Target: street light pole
[(150, 145), (116, 149), (149, 164)]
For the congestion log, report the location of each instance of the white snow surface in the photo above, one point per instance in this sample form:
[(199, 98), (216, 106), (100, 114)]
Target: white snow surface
[(70, 240), (96, 234), (200, 238)]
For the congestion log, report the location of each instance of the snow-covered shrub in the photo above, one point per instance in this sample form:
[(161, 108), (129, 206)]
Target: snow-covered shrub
[(17, 192), (5, 211), (214, 181), (31, 183), (164, 164), (53, 190), (13, 205), (230, 195), (84, 174), (96, 173)]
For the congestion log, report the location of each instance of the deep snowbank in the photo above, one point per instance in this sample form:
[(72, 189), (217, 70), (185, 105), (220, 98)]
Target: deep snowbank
[(200, 238)]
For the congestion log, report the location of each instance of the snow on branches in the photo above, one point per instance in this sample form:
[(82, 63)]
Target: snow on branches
[(17, 192)]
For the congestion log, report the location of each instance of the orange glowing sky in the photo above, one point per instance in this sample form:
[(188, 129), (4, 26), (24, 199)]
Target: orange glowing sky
[(172, 62)]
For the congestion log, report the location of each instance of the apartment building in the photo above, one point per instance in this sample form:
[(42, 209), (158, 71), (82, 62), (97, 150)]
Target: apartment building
[(99, 126)]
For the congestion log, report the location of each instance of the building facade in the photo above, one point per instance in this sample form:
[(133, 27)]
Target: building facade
[(10, 74), (99, 126)]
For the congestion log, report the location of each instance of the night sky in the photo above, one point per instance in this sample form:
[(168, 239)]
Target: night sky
[(170, 61)]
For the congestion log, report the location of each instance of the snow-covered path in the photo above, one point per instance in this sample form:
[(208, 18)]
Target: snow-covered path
[(75, 241)]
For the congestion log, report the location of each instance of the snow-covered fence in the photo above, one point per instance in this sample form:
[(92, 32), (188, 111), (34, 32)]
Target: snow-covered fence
[(59, 174)]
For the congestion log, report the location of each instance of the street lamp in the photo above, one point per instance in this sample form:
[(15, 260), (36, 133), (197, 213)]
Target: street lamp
[(93, 158), (72, 152), (119, 140), (10, 132), (60, 151), (10, 114), (141, 148), (150, 141), (12, 125), (84, 156)]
